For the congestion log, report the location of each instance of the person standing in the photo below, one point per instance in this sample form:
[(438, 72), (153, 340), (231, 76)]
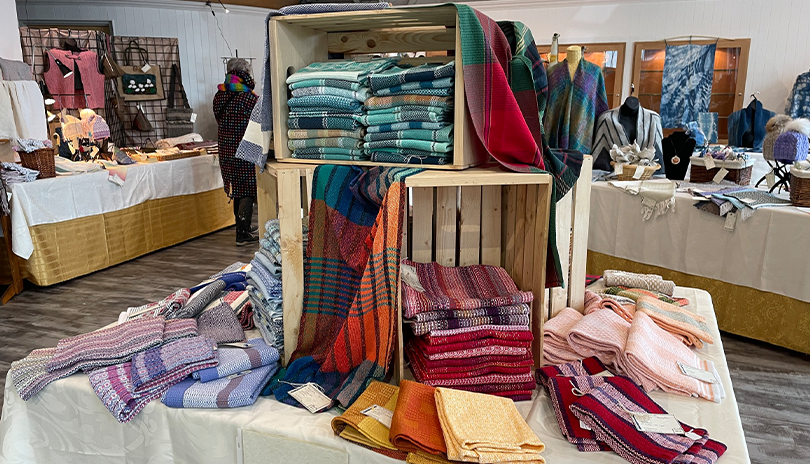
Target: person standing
[(233, 104)]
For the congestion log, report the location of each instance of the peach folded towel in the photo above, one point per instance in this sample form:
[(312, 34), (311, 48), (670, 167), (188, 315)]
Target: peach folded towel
[(556, 349), (595, 302), (601, 334), (684, 324)]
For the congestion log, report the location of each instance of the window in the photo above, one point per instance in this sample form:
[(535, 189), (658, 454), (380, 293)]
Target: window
[(608, 56), (728, 85)]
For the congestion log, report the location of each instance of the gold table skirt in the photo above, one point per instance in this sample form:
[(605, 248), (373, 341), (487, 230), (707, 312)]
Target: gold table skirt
[(69, 249), (764, 316)]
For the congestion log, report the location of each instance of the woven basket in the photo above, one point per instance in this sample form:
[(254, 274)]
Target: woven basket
[(799, 190), (41, 160), (700, 174), (628, 170)]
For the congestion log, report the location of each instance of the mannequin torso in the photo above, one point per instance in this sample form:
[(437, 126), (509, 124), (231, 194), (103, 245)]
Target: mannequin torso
[(572, 56), (628, 118)]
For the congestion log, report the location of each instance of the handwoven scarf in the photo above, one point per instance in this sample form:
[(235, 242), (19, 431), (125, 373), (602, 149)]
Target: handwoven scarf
[(347, 70), (443, 337), (437, 88), (330, 83), (359, 95), (479, 312), (636, 293), (397, 126), (424, 370), (587, 366), (444, 134), (367, 431), (453, 364), (408, 100), (594, 302), (556, 349), (235, 360), (397, 75), (227, 392), (384, 157), (329, 153), (421, 328), (651, 282), (410, 108), (320, 133), (602, 334), (405, 116), (323, 102), (684, 324), (237, 82), (355, 233), (415, 425), (324, 122), (436, 147), (338, 142), (657, 196), (426, 348)]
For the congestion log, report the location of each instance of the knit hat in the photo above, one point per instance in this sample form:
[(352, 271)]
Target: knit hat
[(774, 127), (792, 145), (220, 324)]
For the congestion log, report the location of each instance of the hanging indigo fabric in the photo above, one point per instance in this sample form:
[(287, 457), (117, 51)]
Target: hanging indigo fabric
[(708, 125), (686, 87)]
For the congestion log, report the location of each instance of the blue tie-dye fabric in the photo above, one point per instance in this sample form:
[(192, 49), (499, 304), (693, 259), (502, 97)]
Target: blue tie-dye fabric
[(708, 125), (798, 105), (686, 87)]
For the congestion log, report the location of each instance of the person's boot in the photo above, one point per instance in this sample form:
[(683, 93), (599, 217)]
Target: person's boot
[(244, 216)]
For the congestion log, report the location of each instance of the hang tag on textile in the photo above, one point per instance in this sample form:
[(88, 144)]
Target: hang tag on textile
[(115, 179), (239, 450), (648, 202), (700, 374), (193, 118), (639, 172), (604, 373), (708, 162), (618, 168), (583, 425), (747, 201), (657, 423), (242, 345), (215, 162), (146, 67), (731, 221), (721, 174), (407, 274), (239, 374), (770, 179), (382, 415), (692, 435), (311, 397)]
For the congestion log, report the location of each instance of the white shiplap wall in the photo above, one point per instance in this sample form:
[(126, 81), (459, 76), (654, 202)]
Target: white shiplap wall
[(201, 45), (777, 29)]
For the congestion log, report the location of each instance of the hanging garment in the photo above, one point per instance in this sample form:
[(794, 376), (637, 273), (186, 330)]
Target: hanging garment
[(609, 132), (746, 127), (686, 87), (64, 88), (574, 105), (22, 111), (798, 104)]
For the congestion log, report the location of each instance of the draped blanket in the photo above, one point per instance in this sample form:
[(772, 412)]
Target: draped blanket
[(355, 234)]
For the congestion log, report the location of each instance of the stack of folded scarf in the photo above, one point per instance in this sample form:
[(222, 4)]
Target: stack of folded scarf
[(106, 347), (410, 116), (650, 282), (326, 109), (471, 329), (127, 388), (235, 381)]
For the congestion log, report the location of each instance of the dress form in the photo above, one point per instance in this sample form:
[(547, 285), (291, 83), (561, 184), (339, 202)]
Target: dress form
[(628, 118), (572, 56)]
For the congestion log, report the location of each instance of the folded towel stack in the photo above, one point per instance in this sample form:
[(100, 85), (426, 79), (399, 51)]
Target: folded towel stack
[(326, 117), (471, 329), (410, 116)]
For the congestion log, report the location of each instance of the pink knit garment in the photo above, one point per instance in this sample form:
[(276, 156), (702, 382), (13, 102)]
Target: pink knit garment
[(556, 349), (63, 88), (602, 334)]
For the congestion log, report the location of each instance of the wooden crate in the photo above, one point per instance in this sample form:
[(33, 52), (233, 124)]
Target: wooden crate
[(297, 41)]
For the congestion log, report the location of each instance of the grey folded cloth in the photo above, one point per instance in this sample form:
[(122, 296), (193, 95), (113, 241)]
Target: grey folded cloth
[(220, 324), (198, 301), (651, 282), (12, 70)]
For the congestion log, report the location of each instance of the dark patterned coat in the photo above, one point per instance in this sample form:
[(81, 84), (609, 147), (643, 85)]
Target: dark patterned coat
[(232, 111)]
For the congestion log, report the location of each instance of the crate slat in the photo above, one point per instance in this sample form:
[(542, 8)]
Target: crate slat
[(422, 230), (508, 228), (491, 225), (528, 242), (446, 221), (579, 244), (559, 295), (292, 257), (400, 40), (538, 284), (381, 19), (520, 236), (469, 237)]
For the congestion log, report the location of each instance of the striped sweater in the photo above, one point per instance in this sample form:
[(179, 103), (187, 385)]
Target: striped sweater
[(609, 131)]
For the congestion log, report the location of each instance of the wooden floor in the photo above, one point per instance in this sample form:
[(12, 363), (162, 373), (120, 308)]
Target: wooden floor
[(772, 385)]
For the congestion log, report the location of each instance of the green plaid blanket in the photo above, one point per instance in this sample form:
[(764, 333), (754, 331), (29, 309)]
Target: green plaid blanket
[(313, 153), (332, 83), (321, 133), (444, 134), (340, 142), (347, 70), (359, 95), (397, 126), (374, 103), (405, 116), (437, 147), (381, 157), (406, 108), (322, 102), (399, 76)]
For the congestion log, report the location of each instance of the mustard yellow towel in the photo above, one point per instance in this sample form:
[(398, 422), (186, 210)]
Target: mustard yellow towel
[(421, 457), (357, 427), (485, 429)]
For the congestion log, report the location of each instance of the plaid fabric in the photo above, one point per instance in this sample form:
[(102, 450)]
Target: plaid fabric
[(442, 337), (359, 95), (347, 70), (440, 88), (407, 125), (323, 101), (636, 293), (400, 100), (324, 122), (428, 349), (397, 76), (355, 230), (525, 55), (436, 147), (463, 314), (421, 328), (442, 135), (404, 116), (221, 393), (322, 154), (235, 360), (319, 133), (339, 142), (381, 157), (413, 152), (331, 83), (408, 108)]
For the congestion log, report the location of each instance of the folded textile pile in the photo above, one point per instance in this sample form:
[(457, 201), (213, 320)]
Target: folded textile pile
[(367, 431), (556, 349), (106, 347), (635, 293), (485, 428), (650, 282), (127, 388), (743, 200), (410, 116), (470, 327), (235, 381), (327, 115), (415, 426), (13, 173)]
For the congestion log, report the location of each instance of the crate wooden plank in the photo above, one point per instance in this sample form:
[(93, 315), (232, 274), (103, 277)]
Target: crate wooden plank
[(422, 230), (266, 197), (400, 40), (469, 238), (292, 256), (446, 222), (405, 249), (370, 164), (543, 209), (374, 19), (579, 247), (508, 227), (520, 236), (559, 295), (491, 175), (491, 225), (399, 348), (528, 242)]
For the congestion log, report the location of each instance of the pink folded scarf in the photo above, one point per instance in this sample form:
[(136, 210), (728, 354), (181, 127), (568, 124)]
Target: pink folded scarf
[(602, 334), (594, 302), (556, 349)]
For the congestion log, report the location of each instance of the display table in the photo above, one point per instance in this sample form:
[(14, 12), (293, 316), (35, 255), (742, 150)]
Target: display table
[(756, 273), (65, 227), (67, 423)]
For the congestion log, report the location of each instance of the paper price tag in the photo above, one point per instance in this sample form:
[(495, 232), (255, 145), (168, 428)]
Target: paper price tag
[(657, 423), (146, 67), (116, 180), (639, 172), (382, 415), (311, 397), (583, 425), (215, 162), (604, 374), (618, 168), (692, 435), (747, 201), (408, 275), (193, 118), (721, 174), (648, 202), (700, 374), (708, 162), (731, 222)]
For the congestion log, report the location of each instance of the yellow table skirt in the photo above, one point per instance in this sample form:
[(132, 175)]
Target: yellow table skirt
[(69, 249), (745, 311)]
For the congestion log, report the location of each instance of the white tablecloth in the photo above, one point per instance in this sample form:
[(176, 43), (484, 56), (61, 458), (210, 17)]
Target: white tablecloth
[(64, 198), (766, 252), (67, 423)]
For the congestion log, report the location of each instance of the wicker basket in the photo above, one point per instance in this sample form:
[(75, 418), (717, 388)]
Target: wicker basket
[(41, 160), (628, 170), (800, 188), (739, 175)]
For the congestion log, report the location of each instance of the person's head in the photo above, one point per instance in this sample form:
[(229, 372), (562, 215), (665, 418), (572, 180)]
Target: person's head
[(238, 64)]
